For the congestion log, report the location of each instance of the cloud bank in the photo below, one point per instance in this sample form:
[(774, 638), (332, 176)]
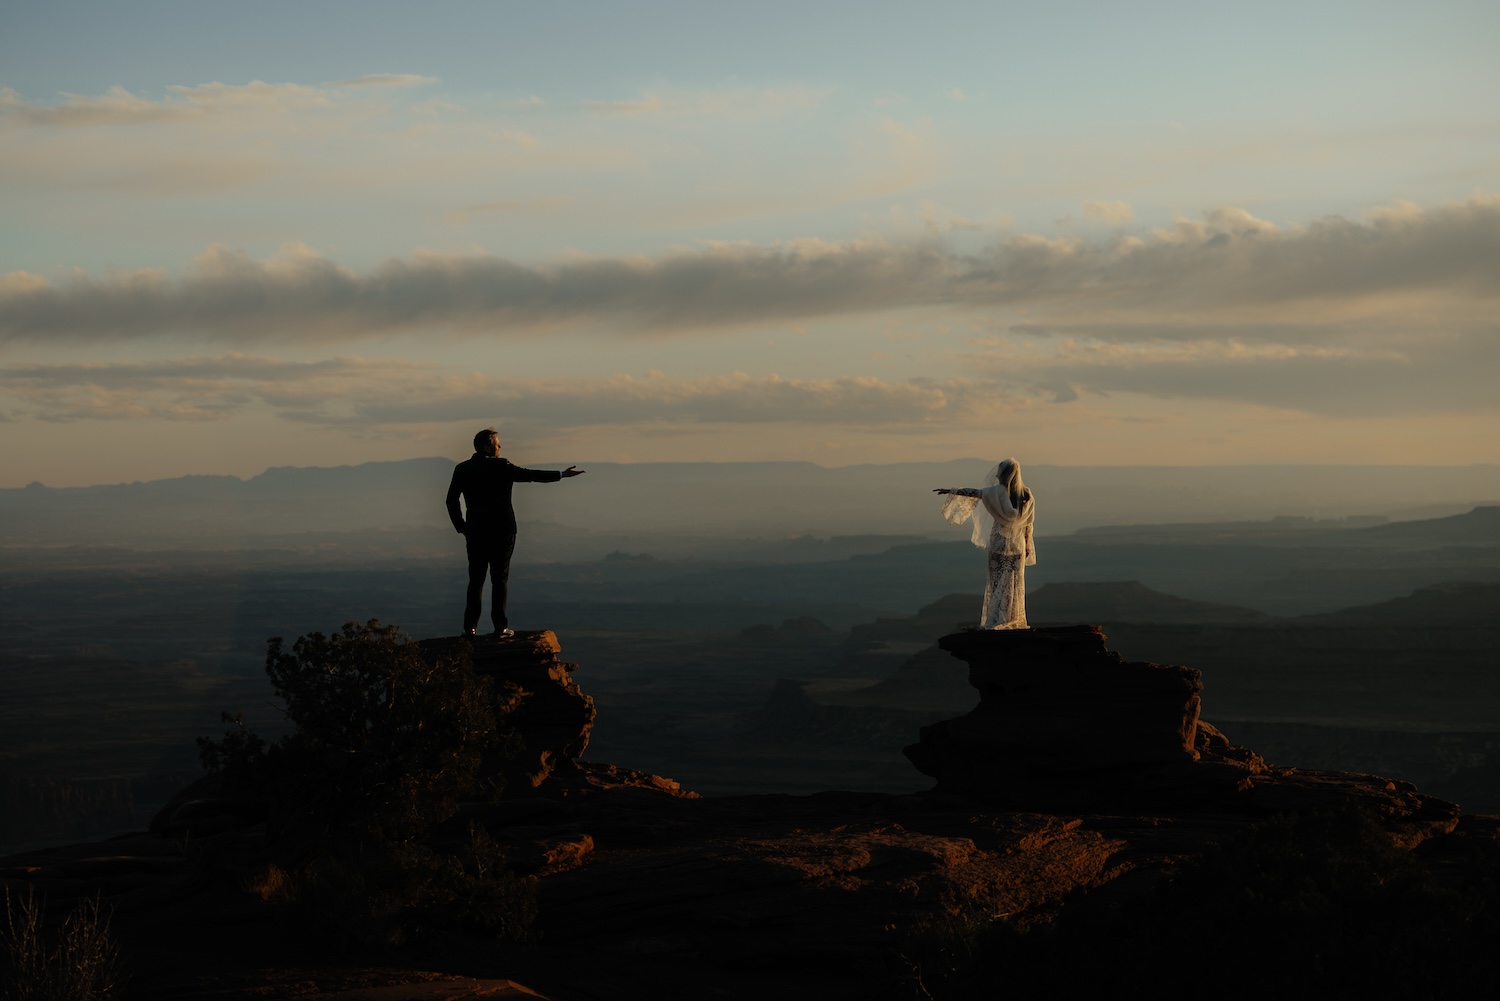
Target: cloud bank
[(393, 392), (1398, 266), (120, 107)]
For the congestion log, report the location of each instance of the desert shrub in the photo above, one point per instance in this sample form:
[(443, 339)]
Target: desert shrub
[(384, 740), (385, 743), (80, 964), (1319, 902), (367, 895)]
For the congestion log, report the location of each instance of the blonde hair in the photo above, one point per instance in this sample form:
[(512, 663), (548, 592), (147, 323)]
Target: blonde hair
[(1009, 474)]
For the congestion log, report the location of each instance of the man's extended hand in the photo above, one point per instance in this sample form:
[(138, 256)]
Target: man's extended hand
[(573, 471)]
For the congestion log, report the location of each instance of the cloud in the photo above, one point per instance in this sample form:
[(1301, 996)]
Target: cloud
[(732, 399), (393, 392), (1403, 270), (1386, 378), (1231, 262), (301, 296), (505, 207), (186, 389), (384, 80), (743, 104), (1110, 212), (115, 107), (380, 133), (119, 107)]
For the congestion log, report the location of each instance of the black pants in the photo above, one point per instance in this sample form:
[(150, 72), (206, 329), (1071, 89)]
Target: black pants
[(488, 554)]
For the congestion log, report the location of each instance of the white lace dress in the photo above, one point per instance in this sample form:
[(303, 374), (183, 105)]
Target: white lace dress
[(1009, 546)]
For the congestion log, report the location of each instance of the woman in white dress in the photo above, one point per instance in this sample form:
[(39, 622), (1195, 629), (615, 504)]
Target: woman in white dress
[(1002, 512)]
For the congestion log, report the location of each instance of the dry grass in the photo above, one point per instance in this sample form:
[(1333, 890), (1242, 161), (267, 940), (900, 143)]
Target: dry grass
[(81, 965), (272, 884)]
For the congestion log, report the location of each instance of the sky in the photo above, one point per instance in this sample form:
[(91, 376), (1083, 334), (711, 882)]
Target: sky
[(236, 236)]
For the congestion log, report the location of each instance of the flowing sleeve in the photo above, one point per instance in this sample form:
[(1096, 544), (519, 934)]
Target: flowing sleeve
[(961, 507)]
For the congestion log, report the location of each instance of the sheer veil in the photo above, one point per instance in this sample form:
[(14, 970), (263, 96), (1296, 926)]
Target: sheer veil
[(958, 509)]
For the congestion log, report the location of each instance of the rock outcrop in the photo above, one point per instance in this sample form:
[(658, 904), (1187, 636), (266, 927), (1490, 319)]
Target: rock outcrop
[(1058, 714), (547, 715), (1065, 723), (545, 719)]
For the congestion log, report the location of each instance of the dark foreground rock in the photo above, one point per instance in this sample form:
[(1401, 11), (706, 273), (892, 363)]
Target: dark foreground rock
[(648, 894), (646, 891)]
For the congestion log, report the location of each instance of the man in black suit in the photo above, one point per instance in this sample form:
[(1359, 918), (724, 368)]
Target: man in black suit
[(484, 481)]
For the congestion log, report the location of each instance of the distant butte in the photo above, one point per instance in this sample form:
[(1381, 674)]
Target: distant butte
[(1076, 784)]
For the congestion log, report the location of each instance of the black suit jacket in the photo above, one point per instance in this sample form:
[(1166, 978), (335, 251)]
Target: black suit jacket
[(484, 482)]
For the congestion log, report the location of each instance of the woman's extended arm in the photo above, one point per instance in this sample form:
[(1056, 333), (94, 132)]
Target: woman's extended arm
[(959, 491)]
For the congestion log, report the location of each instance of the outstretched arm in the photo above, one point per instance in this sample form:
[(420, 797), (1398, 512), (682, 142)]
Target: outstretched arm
[(524, 475), (959, 491)]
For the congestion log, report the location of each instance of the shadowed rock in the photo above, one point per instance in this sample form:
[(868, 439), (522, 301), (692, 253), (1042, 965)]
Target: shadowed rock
[(547, 714), (1058, 712), (1064, 722), (1079, 782)]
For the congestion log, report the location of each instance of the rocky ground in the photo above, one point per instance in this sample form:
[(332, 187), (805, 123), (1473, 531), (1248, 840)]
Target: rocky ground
[(646, 890)]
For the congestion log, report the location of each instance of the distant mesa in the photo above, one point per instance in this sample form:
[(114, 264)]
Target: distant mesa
[(1129, 601), (620, 556), (1467, 604), (1477, 527), (798, 630)]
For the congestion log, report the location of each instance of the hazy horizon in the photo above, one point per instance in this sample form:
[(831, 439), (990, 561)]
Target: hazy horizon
[(13, 483), (394, 509)]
